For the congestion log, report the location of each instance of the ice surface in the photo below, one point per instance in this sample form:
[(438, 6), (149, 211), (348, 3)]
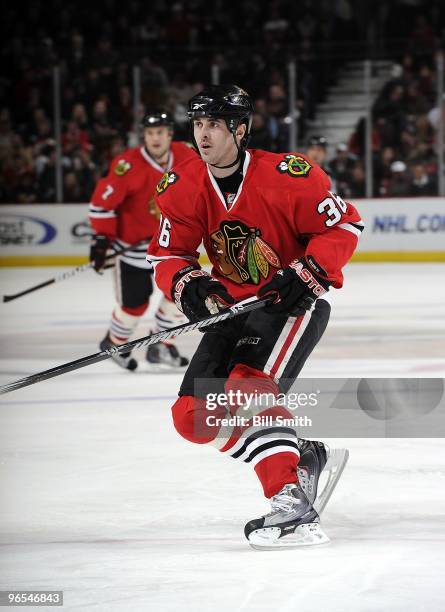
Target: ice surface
[(101, 498)]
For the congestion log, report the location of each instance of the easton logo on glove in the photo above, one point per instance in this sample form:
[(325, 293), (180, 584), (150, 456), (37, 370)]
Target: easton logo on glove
[(293, 289), (308, 278), (188, 274), (197, 294), (316, 266)]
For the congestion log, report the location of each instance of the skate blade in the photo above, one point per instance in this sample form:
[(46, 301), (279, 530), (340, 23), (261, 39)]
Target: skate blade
[(337, 460), (268, 538)]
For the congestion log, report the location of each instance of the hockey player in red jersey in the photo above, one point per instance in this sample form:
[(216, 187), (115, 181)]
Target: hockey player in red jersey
[(271, 228), (123, 213)]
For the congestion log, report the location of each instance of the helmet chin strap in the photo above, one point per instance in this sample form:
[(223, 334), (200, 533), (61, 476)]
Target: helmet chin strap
[(238, 157)]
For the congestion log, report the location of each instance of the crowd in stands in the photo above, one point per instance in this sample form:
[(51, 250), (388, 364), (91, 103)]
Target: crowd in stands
[(96, 47), (404, 136)]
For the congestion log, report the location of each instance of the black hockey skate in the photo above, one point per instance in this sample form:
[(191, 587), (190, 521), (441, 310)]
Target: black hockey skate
[(124, 360), (164, 354), (293, 522), (318, 460), (313, 457)]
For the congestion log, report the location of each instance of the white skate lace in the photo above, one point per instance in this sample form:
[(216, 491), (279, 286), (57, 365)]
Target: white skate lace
[(283, 502)]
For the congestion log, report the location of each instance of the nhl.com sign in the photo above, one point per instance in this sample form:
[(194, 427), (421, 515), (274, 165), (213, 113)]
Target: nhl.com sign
[(404, 226), (24, 230), (47, 234)]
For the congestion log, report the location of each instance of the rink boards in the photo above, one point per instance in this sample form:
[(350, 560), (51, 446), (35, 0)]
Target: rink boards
[(406, 229)]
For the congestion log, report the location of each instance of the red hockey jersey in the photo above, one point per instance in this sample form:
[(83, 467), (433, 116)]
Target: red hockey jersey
[(122, 205), (283, 210)]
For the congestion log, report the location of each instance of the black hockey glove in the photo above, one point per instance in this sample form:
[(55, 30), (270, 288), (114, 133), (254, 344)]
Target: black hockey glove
[(294, 289), (197, 294), (98, 252)]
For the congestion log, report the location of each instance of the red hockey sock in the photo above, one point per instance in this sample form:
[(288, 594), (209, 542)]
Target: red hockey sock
[(194, 421), (276, 471)]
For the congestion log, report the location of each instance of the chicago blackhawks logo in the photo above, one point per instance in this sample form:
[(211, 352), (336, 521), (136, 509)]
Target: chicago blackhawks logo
[(168, 179), (241, 254), (122, 167), (294, 165)]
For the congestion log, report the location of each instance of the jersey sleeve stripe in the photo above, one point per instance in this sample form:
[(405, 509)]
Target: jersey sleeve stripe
[(358, 224), (355, 228), (108, 215), (139, 251), (96, 212)]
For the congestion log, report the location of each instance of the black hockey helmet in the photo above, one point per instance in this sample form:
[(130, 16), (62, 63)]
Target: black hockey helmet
[(317, 141), (228, 102), (156, 118)]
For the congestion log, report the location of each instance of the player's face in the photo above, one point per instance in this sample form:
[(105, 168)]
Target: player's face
[(317, 154), (157, 140), (215, 142)]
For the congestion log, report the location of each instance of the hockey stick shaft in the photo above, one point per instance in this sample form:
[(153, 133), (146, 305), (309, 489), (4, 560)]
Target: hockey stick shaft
[(68, 274), (243, 307)]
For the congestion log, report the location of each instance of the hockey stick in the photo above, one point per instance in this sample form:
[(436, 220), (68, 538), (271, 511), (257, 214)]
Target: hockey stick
[(233, 311), (69, 273)]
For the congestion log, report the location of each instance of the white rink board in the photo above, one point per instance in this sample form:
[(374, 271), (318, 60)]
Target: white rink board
[(44, 230), (410, 225), (400, 225)]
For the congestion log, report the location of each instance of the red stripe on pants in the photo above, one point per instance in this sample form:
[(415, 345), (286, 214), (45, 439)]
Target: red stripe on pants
[(286, 345)]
